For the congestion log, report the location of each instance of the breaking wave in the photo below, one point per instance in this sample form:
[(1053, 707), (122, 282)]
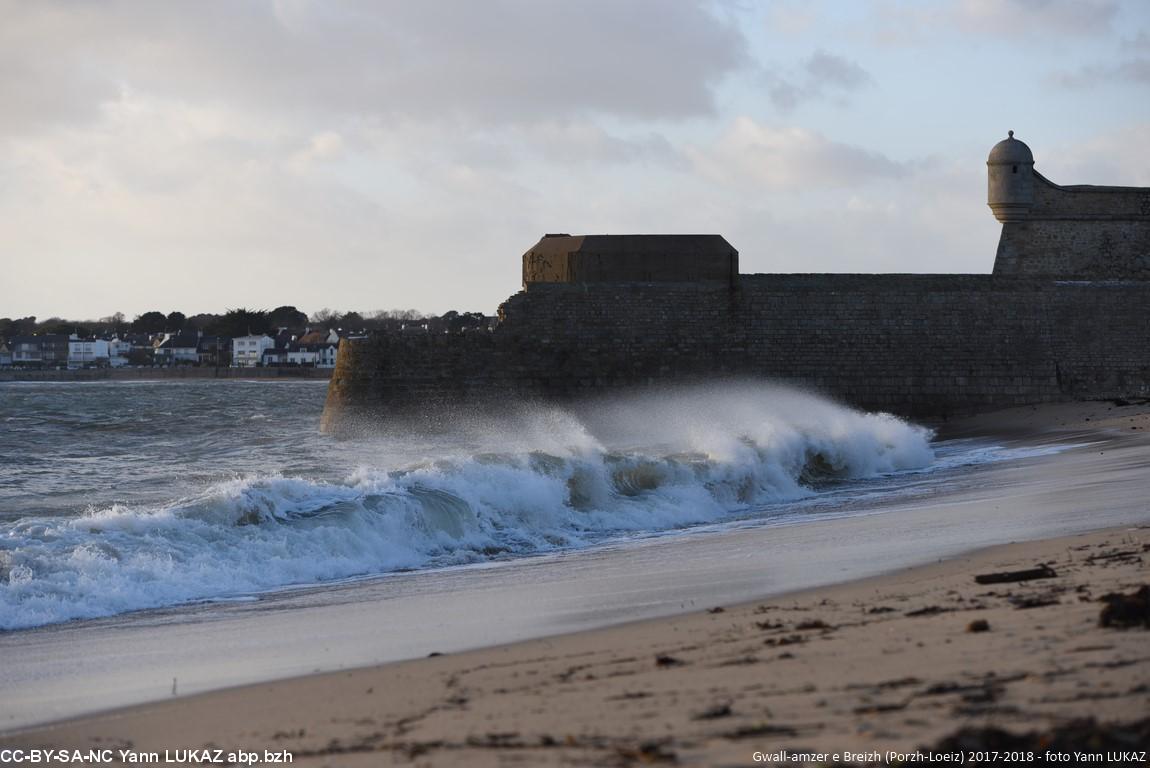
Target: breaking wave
[(541, 480)]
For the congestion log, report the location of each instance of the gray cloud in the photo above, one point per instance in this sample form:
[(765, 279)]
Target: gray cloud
[(584, 142), (910, 22), (1140, 42), (44, 85), (791, 158), (1136, 71), (1012, 18), (823, 75), (1118, 156), (827, 70), (500, 61)]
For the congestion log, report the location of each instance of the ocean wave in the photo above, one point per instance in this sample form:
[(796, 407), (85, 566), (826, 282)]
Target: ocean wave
[(541, 480)]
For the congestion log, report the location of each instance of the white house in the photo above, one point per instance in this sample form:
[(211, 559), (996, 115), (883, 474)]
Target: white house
[(5, 355), (297, 355), (325, 355), (248, 351), (86, 352), (320, 348), (119, 350)]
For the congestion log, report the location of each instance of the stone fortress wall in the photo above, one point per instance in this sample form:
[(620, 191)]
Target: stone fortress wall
[(1083, 232), (1054, 321), (1079, 232)]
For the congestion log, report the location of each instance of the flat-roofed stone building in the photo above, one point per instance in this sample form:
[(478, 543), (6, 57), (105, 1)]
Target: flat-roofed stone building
[(630, 258)]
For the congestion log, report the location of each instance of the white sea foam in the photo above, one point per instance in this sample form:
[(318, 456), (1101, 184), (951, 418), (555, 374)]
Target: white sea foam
[(529, 482)]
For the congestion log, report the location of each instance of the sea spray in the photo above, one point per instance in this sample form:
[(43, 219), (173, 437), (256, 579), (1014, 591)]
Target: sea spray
[(523, 482)]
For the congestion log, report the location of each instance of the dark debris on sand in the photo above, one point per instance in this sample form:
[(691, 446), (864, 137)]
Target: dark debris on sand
[(1125, 611), (1043, 571), (663, 661), (648, 753), (1087, 739), (714, 712), (1085, 735)]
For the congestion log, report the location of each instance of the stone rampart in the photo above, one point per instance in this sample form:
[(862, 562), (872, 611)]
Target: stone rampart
[(1081, 231), (919, 345)]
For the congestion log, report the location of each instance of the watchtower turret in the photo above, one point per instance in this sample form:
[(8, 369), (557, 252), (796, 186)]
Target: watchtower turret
[(1010, 177)]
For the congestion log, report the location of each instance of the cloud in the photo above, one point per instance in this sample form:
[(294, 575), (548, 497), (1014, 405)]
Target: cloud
[(1013, 18), (826, 70), (909, 22), (821, 75), (319, 148), (1136, 71), (791, 158), (247, 213), (254, 147), (583, 142), (932, 219), (1140, 42), (45, 85), (496, 62), (1119, 156), (791, 17)]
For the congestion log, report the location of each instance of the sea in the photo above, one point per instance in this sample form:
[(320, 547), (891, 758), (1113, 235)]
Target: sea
[(121, 497)]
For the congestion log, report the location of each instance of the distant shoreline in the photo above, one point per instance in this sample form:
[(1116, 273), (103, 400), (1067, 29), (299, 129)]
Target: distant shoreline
[(162, 374)]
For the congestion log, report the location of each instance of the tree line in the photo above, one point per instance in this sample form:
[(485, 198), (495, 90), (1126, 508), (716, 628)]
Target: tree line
[(243, 321)]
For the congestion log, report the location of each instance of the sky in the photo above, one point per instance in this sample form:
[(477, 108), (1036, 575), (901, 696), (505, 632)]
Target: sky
[(377, 154)]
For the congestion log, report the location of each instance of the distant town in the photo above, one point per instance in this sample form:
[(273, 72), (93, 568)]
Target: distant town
[(284, 337)]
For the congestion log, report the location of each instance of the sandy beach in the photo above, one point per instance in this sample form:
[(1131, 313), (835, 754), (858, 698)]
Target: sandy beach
[(886, 663), (890, 662)]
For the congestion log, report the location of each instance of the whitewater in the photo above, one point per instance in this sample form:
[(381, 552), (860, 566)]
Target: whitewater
[(118, 497)]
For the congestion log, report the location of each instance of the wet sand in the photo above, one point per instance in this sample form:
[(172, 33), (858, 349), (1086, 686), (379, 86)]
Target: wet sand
[(883, 662)]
